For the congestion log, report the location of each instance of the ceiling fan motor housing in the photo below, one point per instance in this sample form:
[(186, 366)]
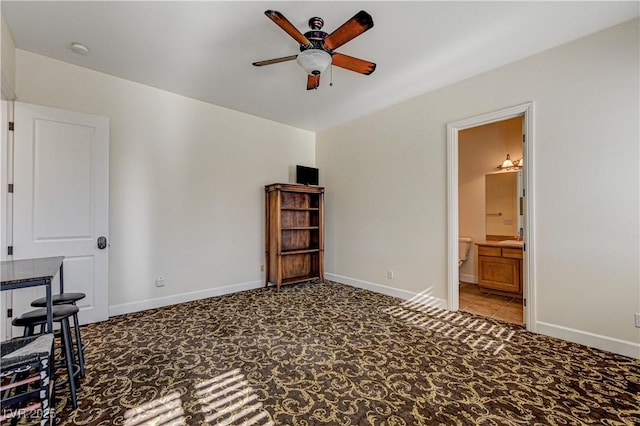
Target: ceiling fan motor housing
[(316, 37)]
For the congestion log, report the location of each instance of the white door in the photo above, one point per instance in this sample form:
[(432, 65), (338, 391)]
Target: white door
[(61, 201)]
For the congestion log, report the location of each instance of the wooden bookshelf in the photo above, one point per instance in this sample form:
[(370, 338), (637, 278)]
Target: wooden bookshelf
[(294, 233)]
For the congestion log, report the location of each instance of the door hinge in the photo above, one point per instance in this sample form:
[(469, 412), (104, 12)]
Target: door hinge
[(10, 251), (524, 137), (524, 246), (523, 193), (524, 302), (11, 126), (10, 188), (9, 313)]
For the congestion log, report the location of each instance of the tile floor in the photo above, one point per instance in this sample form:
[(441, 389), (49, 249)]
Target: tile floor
[(475, 301)]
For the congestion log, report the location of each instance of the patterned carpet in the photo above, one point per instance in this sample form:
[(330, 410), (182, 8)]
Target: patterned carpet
[(330, 354)]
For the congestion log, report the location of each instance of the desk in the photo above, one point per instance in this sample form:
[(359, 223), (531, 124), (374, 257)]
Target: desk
[(31, 273)]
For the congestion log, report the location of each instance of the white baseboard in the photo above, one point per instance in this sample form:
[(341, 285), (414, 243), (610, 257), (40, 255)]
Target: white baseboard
[(143, 305), (422, 298), (605, 343), (469, 278), (621, 347)]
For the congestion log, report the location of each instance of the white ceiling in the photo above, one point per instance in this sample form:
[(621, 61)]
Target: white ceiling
[(204, 49)]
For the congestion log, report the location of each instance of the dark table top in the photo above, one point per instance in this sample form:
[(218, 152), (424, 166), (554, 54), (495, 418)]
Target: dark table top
[(26, 270)]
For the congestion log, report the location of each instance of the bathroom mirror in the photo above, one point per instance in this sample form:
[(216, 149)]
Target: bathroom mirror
[(502, 206)]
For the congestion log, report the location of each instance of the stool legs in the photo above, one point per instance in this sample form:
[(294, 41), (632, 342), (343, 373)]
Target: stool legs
[(68, 299), (71, 359), (67, 342), (69, 356), (79, 346)]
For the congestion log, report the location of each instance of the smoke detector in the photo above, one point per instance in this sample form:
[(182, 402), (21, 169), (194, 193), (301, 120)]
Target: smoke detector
[(80, 49)]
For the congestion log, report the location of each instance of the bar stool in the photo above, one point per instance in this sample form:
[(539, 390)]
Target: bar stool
[(68, 299), (61, 314)]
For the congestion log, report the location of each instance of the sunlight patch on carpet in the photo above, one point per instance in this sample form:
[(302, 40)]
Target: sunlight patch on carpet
[(165, 411), (227, 399), (423, 310)]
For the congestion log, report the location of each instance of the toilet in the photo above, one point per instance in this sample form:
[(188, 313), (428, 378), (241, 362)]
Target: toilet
[(464, 244)]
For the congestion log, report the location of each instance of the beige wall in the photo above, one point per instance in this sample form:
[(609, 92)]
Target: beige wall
[(8, 58), (386, 186), (180, 208), (480, 150), (186, 181)]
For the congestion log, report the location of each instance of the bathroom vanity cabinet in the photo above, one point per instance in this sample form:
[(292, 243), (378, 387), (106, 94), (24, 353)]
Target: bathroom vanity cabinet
[(500, 267)]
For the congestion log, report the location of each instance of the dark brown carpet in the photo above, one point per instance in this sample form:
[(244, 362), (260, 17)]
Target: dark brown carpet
[(330, 354)]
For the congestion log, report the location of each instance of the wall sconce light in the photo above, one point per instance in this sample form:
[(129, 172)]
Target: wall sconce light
[(507, 164)]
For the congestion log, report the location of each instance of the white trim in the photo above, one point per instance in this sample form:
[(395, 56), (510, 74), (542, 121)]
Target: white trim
[(526, 109), (469, 278), (528, 260), (389, 291), (453, 272), (605, 343), (622, 347), (143, 305), (6, 204), (6, 165)]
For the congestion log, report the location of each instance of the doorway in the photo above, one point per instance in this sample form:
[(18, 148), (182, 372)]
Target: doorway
[(60, 170), (523, 112), (489, 218)]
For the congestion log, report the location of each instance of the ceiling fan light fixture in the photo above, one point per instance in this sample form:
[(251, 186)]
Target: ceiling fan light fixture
[(314, 61)]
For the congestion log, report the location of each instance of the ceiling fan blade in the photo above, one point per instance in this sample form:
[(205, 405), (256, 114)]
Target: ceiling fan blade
[(287, 26), (353, 64), (351, 29), (313, 81), (275, 60)]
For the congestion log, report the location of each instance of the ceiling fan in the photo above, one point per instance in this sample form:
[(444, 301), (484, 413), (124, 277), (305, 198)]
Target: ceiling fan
[(317, 47)]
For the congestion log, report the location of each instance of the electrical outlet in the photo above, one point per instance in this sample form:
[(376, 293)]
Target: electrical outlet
[(390, 274), (261, 268), (159, 282), (638, 320)]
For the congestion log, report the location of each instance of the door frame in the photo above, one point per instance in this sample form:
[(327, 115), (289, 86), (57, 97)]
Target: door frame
[(527, 111), (94, 307), (6, 206)]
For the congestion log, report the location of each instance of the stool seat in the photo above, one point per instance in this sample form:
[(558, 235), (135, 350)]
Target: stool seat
[(39, 316), (59, 299)]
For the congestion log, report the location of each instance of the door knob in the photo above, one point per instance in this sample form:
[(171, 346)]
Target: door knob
[(102, 243)]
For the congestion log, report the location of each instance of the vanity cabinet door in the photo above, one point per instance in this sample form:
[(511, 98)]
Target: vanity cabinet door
[(499, 273)]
